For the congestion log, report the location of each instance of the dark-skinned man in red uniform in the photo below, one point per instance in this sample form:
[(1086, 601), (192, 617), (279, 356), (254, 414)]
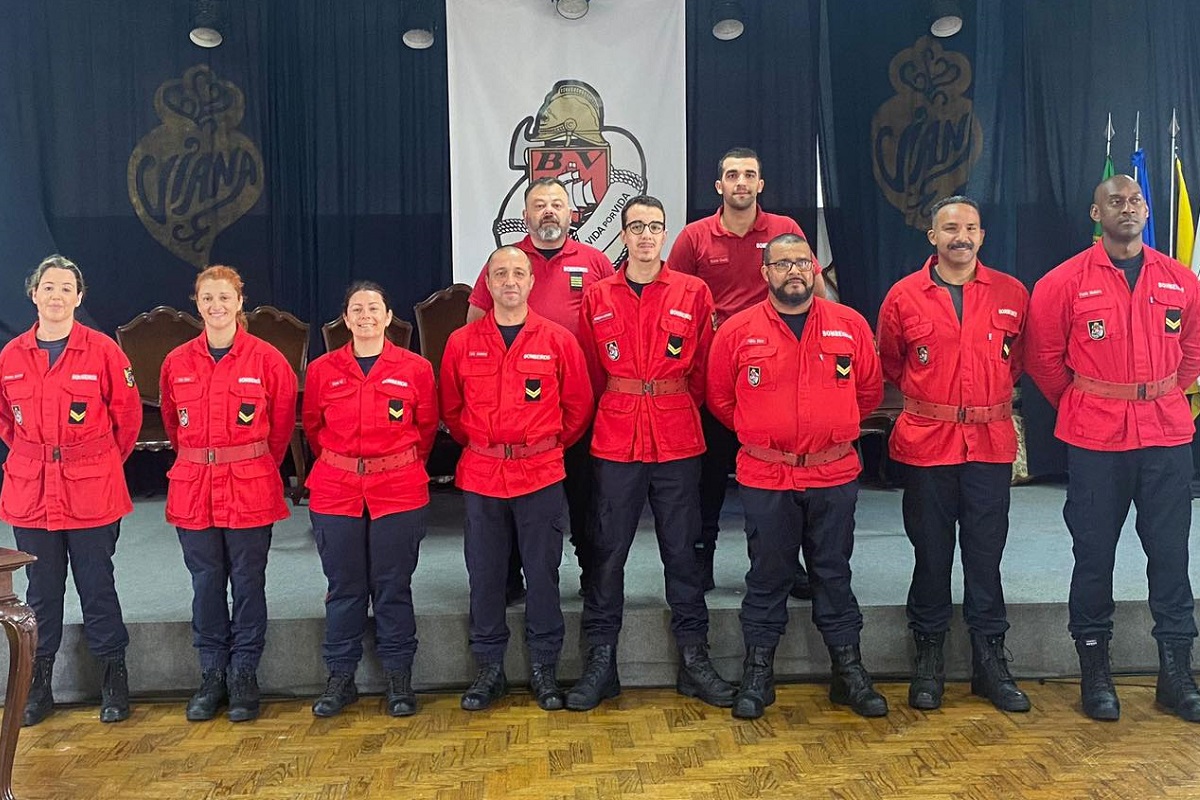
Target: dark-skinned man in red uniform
[(725, 251), (1114, 338), (793, 377), (562, 269), (649, 330), (950, 338), (515, 393)]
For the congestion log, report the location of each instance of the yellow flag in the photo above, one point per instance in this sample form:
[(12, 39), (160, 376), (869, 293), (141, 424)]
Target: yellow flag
[(1185, 225)]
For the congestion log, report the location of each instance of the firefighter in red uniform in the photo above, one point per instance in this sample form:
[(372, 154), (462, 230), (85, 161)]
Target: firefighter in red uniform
[(950, 338), (725, 250), (514, 392), (229, 407), (370, 415), (1114, 338), (562, 269), (650, 330), (793, 377), (70, 416)]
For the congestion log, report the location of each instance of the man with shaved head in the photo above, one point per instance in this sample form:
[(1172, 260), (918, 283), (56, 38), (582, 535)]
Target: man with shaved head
[(1113, 340), (514, 393)]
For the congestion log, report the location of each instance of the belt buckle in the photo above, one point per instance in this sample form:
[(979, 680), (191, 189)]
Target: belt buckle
[(647, 387), (962, 414), (360, 466), (1141, 391), (508, 451), (210, 456), (56, 454)]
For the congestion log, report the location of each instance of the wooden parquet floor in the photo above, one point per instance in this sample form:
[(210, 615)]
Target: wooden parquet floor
[(650, 743)]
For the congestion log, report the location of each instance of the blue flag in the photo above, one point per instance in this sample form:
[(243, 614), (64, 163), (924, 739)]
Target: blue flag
[(1138, 159)]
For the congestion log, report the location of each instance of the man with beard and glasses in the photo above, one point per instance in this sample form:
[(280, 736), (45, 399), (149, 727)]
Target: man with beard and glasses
[(794, 376), (950, 338), (724, 251), (562, 269), (1114, 338)]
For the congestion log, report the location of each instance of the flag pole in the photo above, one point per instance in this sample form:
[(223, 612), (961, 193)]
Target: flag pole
[(1109, 132), (1174, 210), (1137, 139)]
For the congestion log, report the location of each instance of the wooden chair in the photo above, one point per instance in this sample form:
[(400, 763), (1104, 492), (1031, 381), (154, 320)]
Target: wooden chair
[(437, 317), (880, 423), (336, 334), (146, 340), (290, 337)]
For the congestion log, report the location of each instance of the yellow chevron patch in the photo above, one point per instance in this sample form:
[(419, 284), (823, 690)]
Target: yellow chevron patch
[(245, 418), (843, 372), (1173, 324), (396, 413), (673, 350), (78, 416), (533, 393)]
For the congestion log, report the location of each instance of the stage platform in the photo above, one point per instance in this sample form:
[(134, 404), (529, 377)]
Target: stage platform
[(155, 592)]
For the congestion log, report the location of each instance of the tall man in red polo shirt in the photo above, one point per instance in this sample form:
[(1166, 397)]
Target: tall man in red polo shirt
[(562, 269), (649, 329), (725, 251), (794, 376), (1114, 337), (950, 338), (514, 391)]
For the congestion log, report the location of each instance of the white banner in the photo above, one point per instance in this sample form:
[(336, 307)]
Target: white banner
[(598, 103)]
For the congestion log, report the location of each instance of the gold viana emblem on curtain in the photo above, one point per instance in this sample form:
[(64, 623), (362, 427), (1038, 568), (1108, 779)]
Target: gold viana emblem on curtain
[(195, 174), (925, 138)]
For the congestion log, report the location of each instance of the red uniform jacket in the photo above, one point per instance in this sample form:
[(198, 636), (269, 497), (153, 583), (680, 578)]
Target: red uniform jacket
[(1083, 319), (248, 396), (558, 283), (536, 390), (795, 396), (664, 335), (391, 411), (932, 357), (87, 397)]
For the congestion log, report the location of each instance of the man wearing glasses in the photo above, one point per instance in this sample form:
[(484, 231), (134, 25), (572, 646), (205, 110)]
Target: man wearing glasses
[(950, 338), (1114, 338), (724, 250), (648, 330), (794, 376)]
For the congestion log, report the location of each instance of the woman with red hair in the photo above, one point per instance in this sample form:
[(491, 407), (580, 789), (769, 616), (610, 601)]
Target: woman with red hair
[(229, 407)]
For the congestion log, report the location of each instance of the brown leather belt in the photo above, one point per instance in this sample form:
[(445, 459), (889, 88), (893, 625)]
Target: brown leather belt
[(826, 456), (660, 386), (64, 452), (515, 450), (1126, 391), (223, 455), (369, 466), (968, 414)]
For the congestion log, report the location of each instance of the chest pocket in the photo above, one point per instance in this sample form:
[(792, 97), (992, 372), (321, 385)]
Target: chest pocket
[(19, 398), (1095, 320), (836, 362), (538, 384), (396, 405), (249, 405), (1005, 328), (83, 411), (1168, 306), (609, 335), (918, 334), (757, 368), (679, 338)]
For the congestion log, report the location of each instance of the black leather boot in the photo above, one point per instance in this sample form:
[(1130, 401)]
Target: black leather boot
[(599, 680), (209, 698), (851, 685), (1176, 691), (340, 691), (114, 694), (757, 689), (990, 677), (245, 700), (699, 678), (1098, 695), (41, 697), (401, 699), (929, 671), (543, 683), (490, 685)]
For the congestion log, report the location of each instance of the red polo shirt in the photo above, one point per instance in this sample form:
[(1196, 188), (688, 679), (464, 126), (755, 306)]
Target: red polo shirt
[(729, 263), (931, 356), (558, 282)]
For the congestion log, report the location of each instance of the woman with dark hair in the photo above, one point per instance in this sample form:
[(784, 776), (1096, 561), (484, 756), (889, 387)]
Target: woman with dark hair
[(70, 416), (370, 415), (229, 407)]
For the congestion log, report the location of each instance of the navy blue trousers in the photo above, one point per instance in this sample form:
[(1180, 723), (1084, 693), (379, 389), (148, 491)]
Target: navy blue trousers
[(370, 563), (1100, 488), (621, 492), (536, 521), (226, 561), (970, 500), (89, 551), (778, 525)]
